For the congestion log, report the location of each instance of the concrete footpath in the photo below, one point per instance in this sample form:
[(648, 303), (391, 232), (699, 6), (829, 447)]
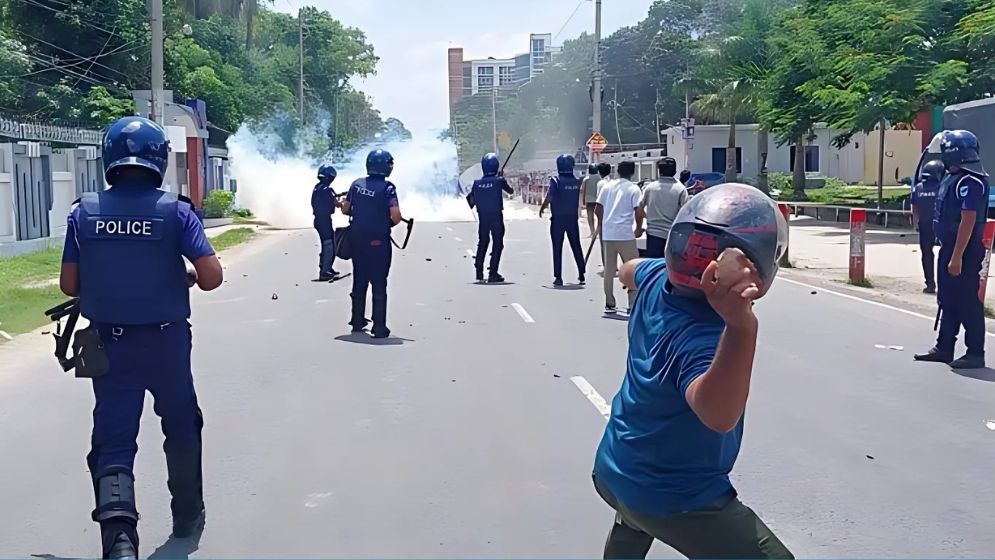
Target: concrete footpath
[(820, 253)]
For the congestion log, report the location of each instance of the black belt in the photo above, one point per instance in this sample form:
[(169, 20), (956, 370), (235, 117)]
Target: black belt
[(119, 330)]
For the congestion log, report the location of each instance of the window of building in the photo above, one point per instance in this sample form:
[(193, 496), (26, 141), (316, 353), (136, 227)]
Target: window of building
[(485, 77), (811, 159), (505, 75), (719, 160)]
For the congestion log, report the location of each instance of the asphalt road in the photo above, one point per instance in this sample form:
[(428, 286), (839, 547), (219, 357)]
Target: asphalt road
[(465, 436)]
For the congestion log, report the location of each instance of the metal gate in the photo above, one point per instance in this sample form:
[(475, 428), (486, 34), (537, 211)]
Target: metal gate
[(89, 173), (32, 191)]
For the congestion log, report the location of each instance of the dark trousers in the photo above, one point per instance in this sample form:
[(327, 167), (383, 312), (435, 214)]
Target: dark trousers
[(326, 258), (927, 240), (958, 299), (723, 529), (491, 227), (655, 247), (370, 267), (143, 358), (558, 227)]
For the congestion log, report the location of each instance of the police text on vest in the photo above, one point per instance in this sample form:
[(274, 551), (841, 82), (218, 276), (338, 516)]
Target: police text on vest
[(141, 228)]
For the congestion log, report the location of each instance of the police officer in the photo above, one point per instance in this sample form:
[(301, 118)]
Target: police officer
[(564, 195), (923, 206), (959, 222), (323, 203), (123, 258), (372, 204), (486, 195)]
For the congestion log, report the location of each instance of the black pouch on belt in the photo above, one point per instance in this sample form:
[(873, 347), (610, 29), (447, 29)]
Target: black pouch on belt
[(89, 354)]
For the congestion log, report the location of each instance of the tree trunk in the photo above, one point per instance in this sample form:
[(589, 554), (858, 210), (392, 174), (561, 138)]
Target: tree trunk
[(763, 141), (250, 15), (731, 172), (798, 175)]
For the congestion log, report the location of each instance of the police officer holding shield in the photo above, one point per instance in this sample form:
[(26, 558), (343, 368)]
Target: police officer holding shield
[(923, 206), (959, 221), (372, 204), (123, 258), (323, 203)]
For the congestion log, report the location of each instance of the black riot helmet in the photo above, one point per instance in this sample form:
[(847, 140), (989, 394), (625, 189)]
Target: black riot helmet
[(932, 171), (724, 216)]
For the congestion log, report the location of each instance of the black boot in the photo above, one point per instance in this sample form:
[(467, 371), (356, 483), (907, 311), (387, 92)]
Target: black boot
[(116, 512), (187, 488), (935, 355), (969, 361), (494, 278), (480, 274)]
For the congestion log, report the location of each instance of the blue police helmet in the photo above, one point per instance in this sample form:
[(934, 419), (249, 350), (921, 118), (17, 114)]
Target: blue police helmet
[(380, 162), (565, 164), (961, 148), (490, 164), (932, 171), (135, 141), (327, 173)]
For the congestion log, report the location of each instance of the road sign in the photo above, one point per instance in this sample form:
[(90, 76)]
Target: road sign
[(597, 143)]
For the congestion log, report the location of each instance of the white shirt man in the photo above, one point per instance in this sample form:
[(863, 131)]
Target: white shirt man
[(621, 222)]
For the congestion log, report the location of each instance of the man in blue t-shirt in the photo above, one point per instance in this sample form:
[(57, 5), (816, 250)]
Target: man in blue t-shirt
[(677, 422)]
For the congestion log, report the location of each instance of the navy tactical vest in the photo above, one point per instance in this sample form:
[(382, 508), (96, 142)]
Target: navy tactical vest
[(130, 268), (566, 196), (369, 206), (946, 215), (487, 194)]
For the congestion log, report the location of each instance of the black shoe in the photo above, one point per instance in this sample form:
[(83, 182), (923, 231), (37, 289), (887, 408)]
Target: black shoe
[(969, 361), (480, 275), (380, 333), (581, 280), (120, 540), (186, 486), (929, 290), (935, 355), (557, 282), (323, 278), (359, 326), (610, 310), (494, 278)]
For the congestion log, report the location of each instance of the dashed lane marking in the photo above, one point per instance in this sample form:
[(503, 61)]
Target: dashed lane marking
[(592, 395), (523, 313)]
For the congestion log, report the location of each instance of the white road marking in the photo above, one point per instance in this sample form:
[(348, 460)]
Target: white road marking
[(471, 253), (5, 335), (523, 313), (592, 395), (449, 228), (219, 301), (990, 424), (313, 499), (322, 300), (862, 300), (460, 239)]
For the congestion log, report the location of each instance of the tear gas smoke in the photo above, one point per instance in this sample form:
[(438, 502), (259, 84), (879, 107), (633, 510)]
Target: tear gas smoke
[(277, 187)]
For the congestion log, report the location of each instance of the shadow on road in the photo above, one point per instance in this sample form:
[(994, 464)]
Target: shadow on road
[(567, 288), (505, 283), (53, 557), (986, 374), (615, 316), (364, 338), (177, 549)]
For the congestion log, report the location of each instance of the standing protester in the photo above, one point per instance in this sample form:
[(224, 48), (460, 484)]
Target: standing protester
[(660, 203), (589, 194), (676, 424), (564, 195), (372, 204), (960, 214), (323, 203), (123, 258), (923, 206), (487, 195), (617, 211), (685, 177)]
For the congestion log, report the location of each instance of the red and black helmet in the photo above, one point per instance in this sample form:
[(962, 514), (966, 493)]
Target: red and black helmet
[(724, 216)]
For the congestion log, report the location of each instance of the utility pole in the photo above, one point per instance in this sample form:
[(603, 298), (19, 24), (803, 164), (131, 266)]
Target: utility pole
[(494, 115), (155, 23), (596, 121), (881, 164), (300, 84), (618, 131)]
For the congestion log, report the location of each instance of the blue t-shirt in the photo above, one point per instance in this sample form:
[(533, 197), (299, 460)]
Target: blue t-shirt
[(656, 456), (193, 245)]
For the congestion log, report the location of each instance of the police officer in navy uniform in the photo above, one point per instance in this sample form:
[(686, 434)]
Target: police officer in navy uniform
[(372, 203), (564, 195), (323, 203), (959, 222), (486, 195), (123, 258), (923, 207)]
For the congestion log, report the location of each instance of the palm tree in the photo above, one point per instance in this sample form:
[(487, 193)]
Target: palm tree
[(732, 100)]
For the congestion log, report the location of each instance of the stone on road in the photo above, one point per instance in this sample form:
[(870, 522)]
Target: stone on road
[(464, 436)]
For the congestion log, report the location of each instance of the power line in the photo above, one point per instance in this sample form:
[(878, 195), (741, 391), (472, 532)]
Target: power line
[(74, 74), (117, 50), (572, 14), (85, 22)]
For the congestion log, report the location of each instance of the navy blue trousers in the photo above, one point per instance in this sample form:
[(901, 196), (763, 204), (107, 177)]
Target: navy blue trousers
[(927, 240), (491, 227), (559, 227), (370, 268), (143, 358), (958, 299)]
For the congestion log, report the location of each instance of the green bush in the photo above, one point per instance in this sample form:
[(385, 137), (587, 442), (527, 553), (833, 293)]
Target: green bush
[(834, 183), (218, 204), (242, 213), (779, 181)]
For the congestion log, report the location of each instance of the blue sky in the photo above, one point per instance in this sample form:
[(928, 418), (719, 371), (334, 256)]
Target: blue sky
[(412, 37)]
